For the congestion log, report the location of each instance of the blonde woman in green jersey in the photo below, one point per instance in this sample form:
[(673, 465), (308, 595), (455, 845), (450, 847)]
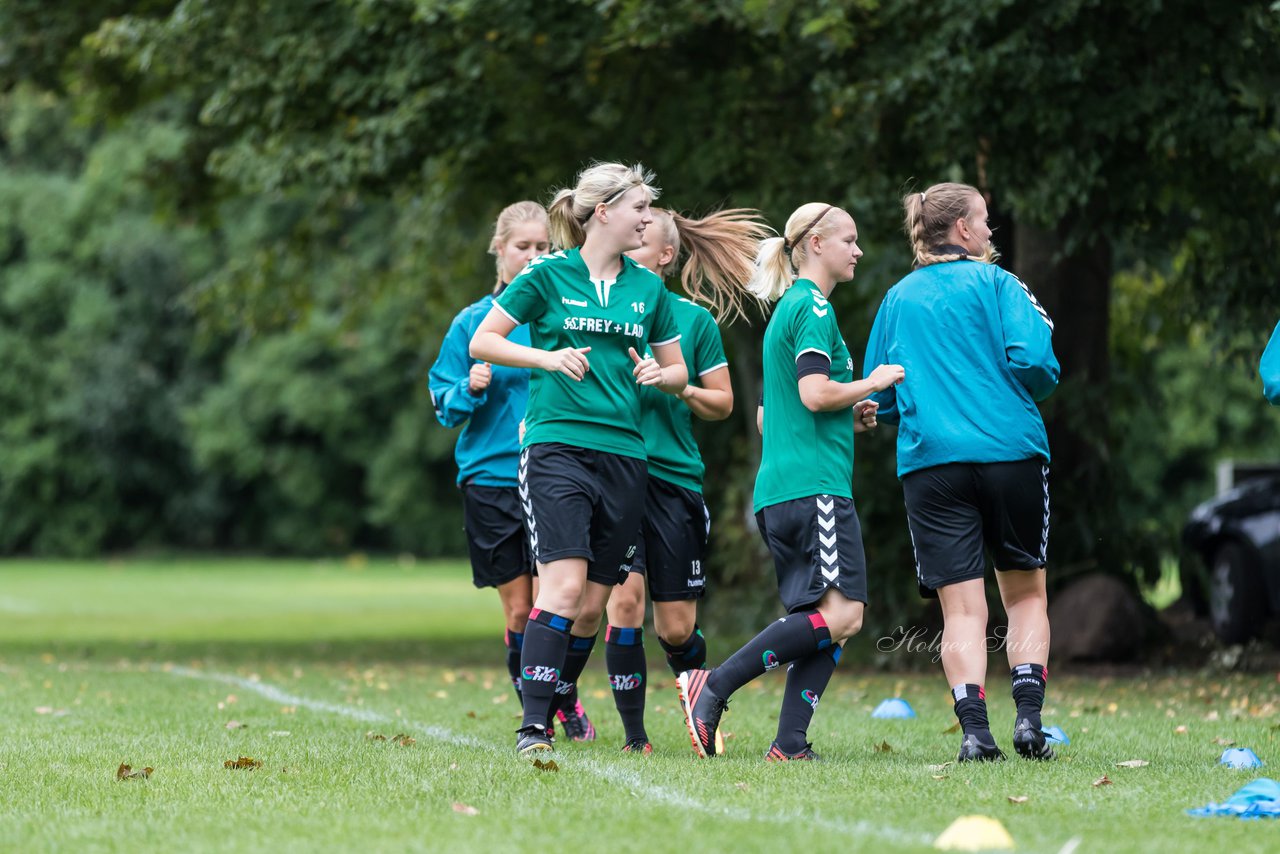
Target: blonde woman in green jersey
[(813, 406), (591, 313), (720, 250)]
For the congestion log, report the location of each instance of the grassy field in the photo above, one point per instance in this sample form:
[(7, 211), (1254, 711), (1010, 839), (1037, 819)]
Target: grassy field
[(149, 662)]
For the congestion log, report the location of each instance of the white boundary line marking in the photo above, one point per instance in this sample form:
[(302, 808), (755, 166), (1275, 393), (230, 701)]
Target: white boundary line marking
[(612, 774)]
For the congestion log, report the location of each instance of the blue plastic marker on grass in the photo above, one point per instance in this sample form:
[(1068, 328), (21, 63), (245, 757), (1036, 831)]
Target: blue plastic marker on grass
[(1240, 757), (1055, 735), (895, 707)]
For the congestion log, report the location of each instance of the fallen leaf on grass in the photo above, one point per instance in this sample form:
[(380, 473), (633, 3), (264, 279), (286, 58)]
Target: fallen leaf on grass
[(500, 699), (943, 767), (954, 728), (1224, 742), (1104, 780), (243, 762), (464, 809), (1182, 730), (235, 725), (50, 710), (403, 740), (742, 787), (1133, 763), (278, 733), (471, 714), (884, 747), (549, 765), (128, 772), (453, 766), (374, 736), (939, 776), (726, 735), (1018, 799), (288, 710)]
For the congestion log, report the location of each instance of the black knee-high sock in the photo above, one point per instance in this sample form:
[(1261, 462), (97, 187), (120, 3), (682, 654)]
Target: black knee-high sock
[(542, 660), (575, 660), (1028, 690), (628, 675), (792, 637), (690, 655), (806, 680), (515, 642), (971, 709)]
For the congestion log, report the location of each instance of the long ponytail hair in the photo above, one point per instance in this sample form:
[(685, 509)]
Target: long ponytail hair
[(928, 218), (600, 183), (720, 258), (779, 258)]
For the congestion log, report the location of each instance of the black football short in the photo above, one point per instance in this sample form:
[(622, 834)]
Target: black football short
[(673, 542), (495, 534), (957, 510), (583, 503), (816, 543)]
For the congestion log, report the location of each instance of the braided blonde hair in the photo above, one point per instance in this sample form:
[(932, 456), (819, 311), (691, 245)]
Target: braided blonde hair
[(929, 217)]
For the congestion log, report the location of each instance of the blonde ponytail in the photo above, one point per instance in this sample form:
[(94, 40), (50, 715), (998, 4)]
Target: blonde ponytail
[(600, 183), (780, 257), (720, 259)]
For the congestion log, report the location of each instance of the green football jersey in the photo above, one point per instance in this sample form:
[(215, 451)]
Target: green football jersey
[(805, 453), (564, 307), (668, 422)]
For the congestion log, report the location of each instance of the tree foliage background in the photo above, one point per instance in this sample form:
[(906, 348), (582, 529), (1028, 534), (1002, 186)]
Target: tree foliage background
[(232, 234)]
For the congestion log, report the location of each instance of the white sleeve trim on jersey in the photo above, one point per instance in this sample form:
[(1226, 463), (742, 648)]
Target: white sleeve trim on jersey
[(713, 368), (508, 314), (822, 353), (668, 341), (1044, 315)]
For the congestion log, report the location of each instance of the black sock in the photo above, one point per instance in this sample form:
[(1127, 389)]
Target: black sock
[(628, 674), (575, 660), (783, 641), (542, 660), (806, 680), (690, 655), (515, 642), (971, 709), (1028, 690)]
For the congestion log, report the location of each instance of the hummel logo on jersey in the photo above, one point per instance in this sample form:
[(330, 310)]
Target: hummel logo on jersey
[(580, 303), (541, 258), (541, 673), (821, 303), (770, 660)]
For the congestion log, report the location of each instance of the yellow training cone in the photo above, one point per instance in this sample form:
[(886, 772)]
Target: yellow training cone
[(975, 833)]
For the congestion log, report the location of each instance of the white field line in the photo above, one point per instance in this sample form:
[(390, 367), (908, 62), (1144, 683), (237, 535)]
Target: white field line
[(626, 778)]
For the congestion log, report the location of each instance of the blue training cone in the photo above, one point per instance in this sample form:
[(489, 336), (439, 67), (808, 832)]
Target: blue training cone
[(1055, 735), (895, 707), (1240, 757)]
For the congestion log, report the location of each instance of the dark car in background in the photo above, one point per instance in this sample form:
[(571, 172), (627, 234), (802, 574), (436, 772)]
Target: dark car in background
[(1237, 538)]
